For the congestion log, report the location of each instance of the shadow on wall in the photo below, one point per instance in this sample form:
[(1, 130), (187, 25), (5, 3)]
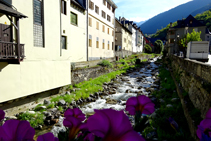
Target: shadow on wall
[(3, 65)]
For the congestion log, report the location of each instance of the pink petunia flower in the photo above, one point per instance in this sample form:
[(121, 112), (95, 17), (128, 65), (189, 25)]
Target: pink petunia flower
[(140, 103)]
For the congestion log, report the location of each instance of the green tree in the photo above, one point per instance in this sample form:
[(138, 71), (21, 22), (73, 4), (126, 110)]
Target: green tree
[(159, 46), (193, 36), (147, 48)]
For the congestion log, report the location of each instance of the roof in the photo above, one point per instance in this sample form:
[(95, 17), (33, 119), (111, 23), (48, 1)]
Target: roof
[(112, 3), (190, 21), (78, 4), (7, 9), (123, 26)]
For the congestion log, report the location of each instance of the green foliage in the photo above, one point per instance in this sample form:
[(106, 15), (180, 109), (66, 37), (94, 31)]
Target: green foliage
[(51, 105), (105, 63), (34, 119), (159, 46), (193, 36), (56, 99), (37, 107), (147, 48), (206, 17), (60, 109)]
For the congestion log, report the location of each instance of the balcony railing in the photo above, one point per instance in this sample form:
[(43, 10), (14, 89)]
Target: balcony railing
[(11, 51)]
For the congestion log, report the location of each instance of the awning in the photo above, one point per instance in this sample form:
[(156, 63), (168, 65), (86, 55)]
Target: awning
[(4, 9)]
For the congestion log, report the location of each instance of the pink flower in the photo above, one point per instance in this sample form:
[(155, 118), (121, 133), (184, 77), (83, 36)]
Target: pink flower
[(47, 137), (112, 125), (140, 103)]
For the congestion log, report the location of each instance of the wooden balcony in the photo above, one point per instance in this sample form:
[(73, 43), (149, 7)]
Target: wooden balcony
[(11, 52)]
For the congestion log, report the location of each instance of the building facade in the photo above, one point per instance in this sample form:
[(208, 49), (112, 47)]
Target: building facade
[(36, 55), (101, 26)]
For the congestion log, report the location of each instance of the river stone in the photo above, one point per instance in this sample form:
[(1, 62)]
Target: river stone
[(112, 92), (31, 112), (111, 101), (46, 102), (68, 93), (61, 103), (40, 108), (11, 117)]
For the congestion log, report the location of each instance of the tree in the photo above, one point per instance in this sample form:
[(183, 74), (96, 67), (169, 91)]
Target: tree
[(147, 48), (159, 46), (194, 36)]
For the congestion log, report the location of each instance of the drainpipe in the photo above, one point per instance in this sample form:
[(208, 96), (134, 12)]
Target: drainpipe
[(87, 32), (60, 28)]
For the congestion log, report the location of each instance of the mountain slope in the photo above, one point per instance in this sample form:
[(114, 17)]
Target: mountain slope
[(179, 12)]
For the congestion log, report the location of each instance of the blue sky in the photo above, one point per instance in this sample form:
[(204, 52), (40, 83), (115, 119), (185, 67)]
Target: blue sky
[(141, 10)]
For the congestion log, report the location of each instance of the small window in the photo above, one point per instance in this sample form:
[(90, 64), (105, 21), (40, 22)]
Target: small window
[(103, 28), (90, 40), (63, 7), (97, 25), (91, 5), (125, 40), (108, 45), (104, 2), (112, 45), (90, 21), (108, 6), (103, 44), (97, 42), (74, 18), (64, 42), (108, 18), (103, 14), (108, 30), (96, 9), (112, 33), (113, 9)]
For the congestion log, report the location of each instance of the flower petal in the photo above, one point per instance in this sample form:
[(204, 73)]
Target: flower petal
[(132, 136), (47, 137), (71, 122), (25, 131), (199, 131), (68, 112), (98, 123), (132, 101), (142, 99), (131, 110), (2, 114), (208, 115)]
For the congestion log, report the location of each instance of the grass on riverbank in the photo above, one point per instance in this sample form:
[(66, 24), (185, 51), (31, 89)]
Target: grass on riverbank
[(174, 110)]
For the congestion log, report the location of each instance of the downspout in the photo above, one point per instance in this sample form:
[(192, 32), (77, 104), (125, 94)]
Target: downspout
[(60, 28), (87, 32)]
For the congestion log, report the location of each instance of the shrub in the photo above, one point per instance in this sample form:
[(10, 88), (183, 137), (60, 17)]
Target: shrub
[(147, 48), (105, 63)]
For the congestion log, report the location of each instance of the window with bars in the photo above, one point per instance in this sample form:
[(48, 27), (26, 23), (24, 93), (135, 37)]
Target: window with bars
[(108, 18), (96, 9), (38, 28), (103, 14), (74, 18), (90, 21), (63, 7), (91, 5)]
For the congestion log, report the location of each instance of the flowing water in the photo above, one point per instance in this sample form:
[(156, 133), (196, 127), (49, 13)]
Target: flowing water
[(128, 86)]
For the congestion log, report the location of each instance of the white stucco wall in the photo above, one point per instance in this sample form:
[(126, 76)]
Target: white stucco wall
[(43, 68)]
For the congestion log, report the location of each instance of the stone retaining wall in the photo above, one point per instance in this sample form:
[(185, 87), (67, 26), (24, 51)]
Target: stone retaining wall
[(195, 78)]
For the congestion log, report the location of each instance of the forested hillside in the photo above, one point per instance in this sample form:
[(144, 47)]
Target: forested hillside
[(206, 16)]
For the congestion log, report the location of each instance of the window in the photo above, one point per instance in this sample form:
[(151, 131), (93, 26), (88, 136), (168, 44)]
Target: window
[(108, 30), (90, 40), (108, 6), (112, 33), (116, 29), (112, 21), (103, 14), (97, 42), (108, 18), (38, 28), (97, 25), (90, 21), (125, 40), (64, 42), (113, 9), (104, 2), (112, 45), (91, 5), (103, 44), (96, 9), (108, 45), (63, 7), (103, 28), (74, 19)]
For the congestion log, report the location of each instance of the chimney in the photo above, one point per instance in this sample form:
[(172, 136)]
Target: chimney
[(124, 22), (170, 24), (120, 18)]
